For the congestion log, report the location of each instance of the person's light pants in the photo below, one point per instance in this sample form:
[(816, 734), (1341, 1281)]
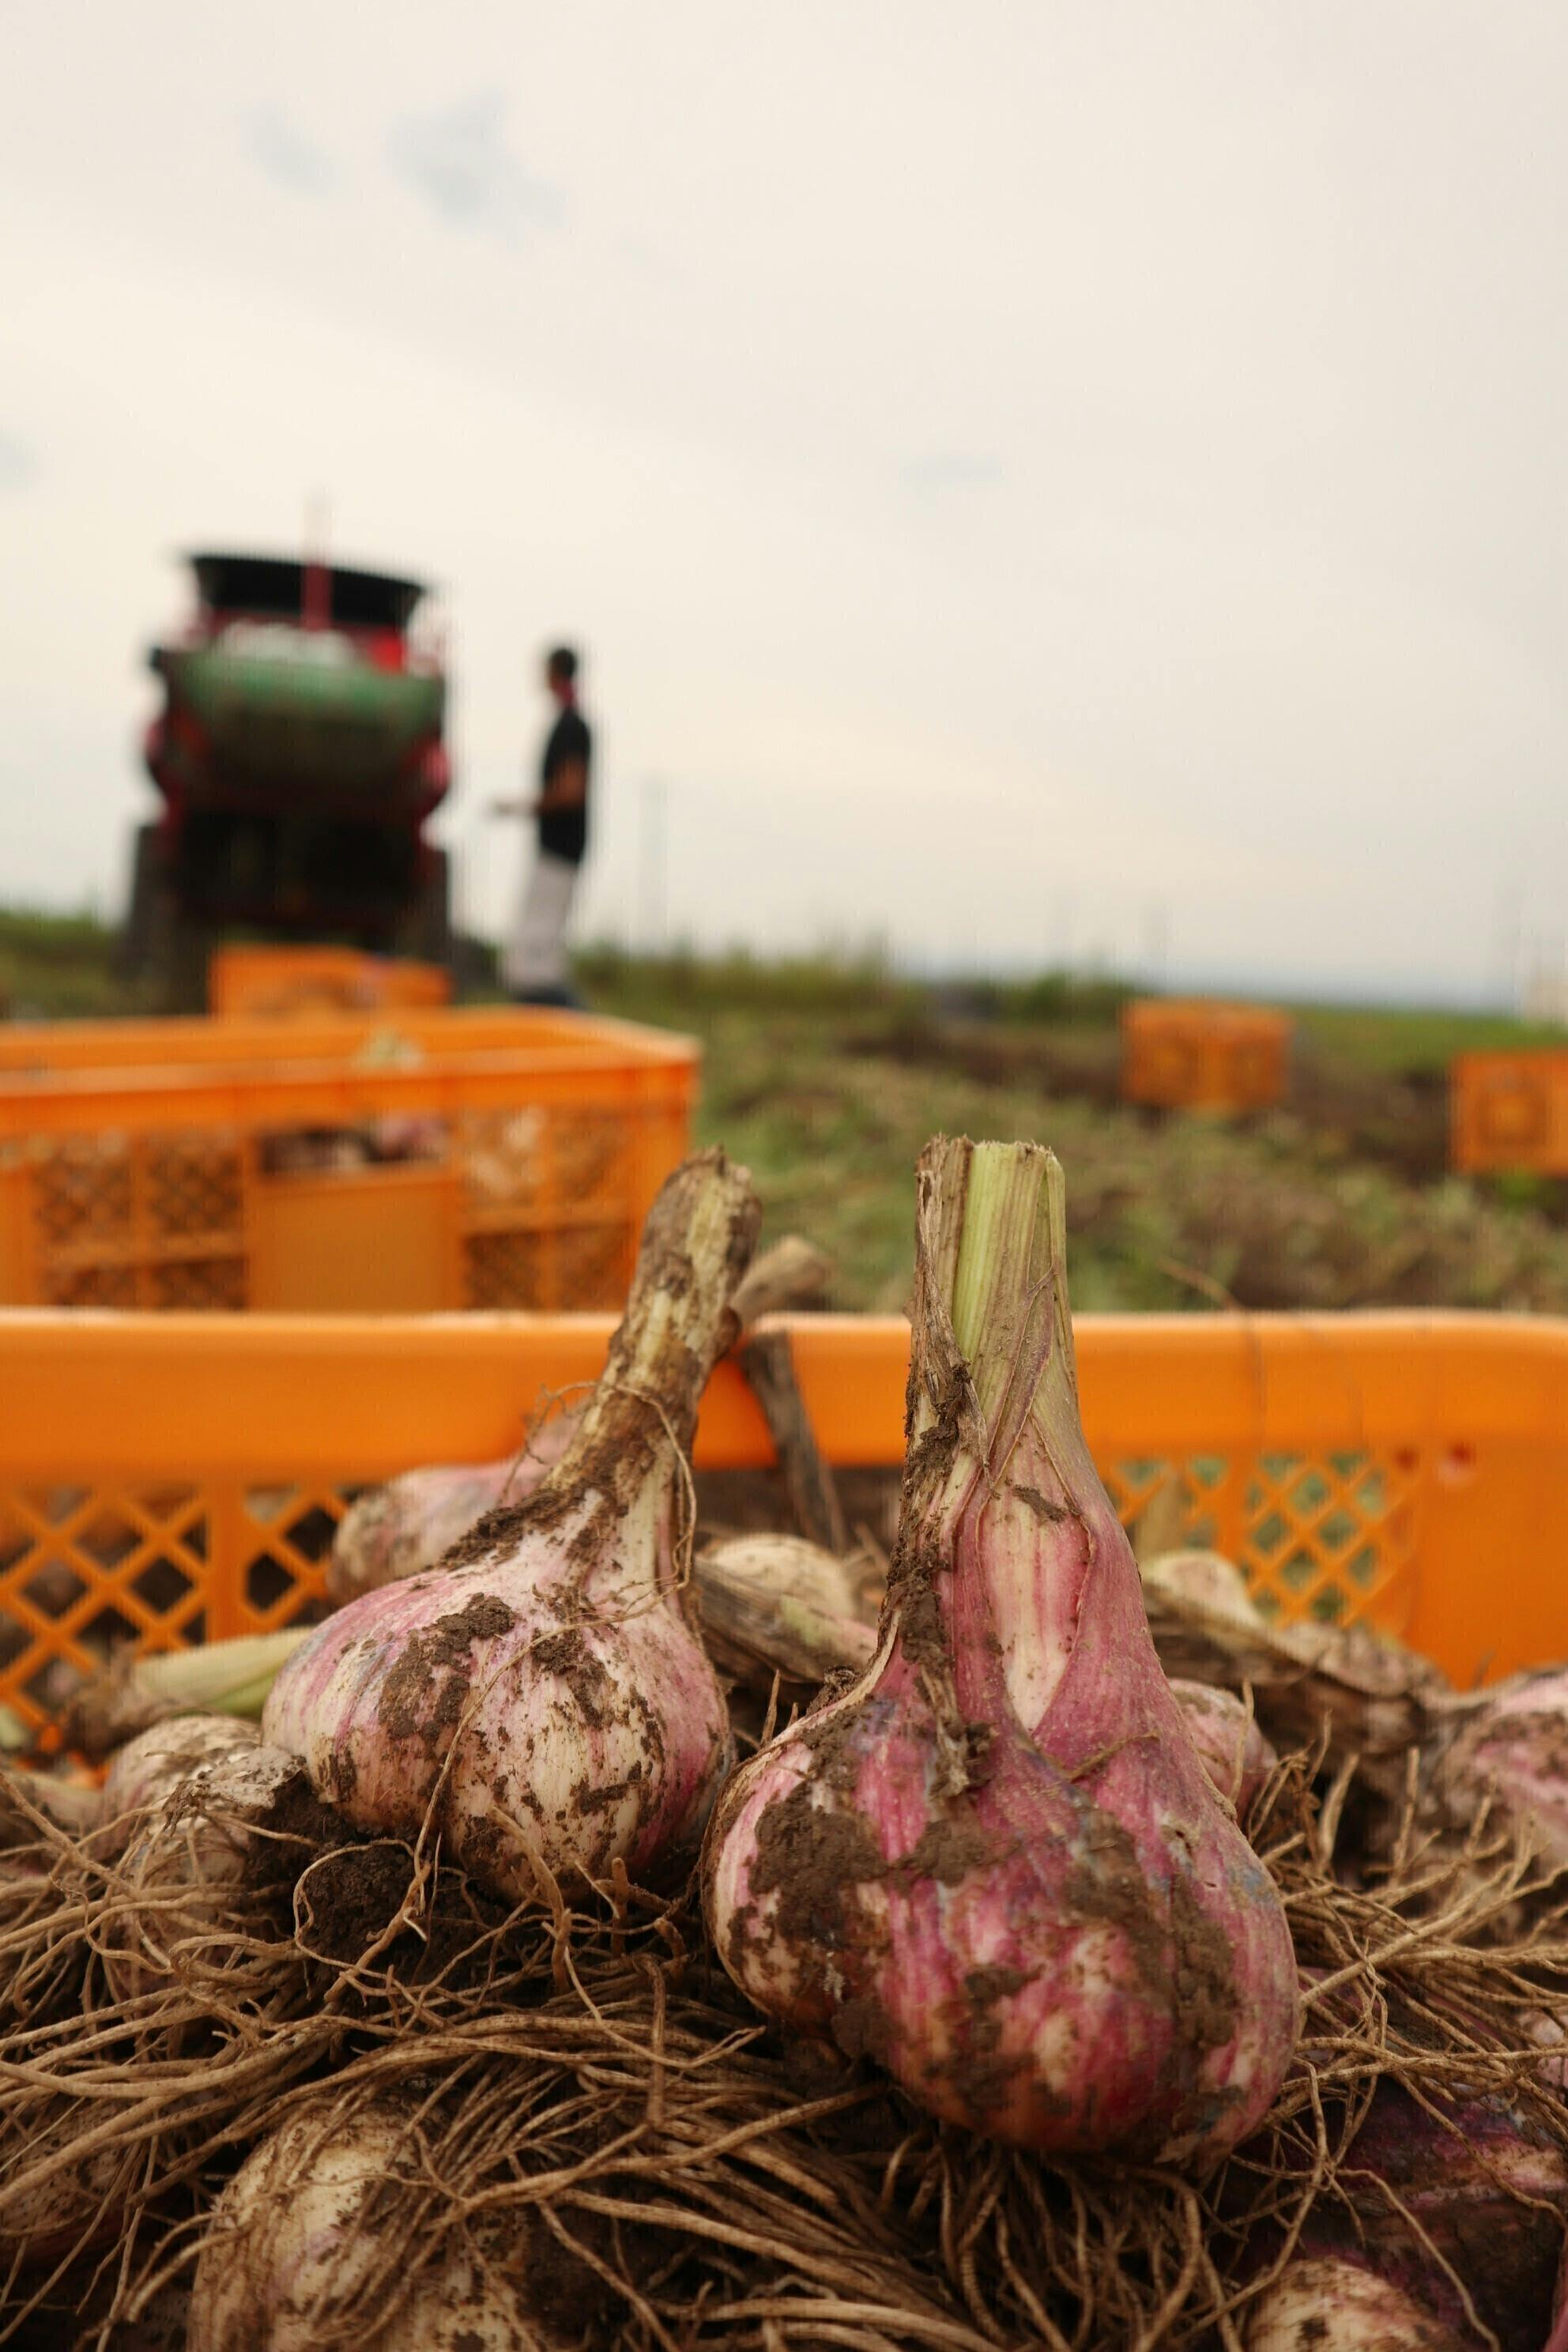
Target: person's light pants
[(536, 953)]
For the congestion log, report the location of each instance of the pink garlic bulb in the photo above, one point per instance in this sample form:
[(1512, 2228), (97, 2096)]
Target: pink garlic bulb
[(1235, 1754), (542, 1696), (405, 1526), (996, 1864), (1443, 2190), (1514, 1745)]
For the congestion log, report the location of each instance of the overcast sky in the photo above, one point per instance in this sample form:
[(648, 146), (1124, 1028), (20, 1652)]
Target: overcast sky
[(1027, 477)]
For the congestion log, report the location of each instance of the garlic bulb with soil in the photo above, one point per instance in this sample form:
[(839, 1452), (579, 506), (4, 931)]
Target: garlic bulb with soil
[(776, 1604), (542, 1697), (317, 2224), (1331, 2302), (398, 1529), (152, 1765), (208, 1865), (996, 1864), (1443, 2190), (1512, 1747), (1235, 1753)]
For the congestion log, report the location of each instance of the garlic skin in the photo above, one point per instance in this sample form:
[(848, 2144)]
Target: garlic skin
[(1207, 1582), (542, 1697), (397, 1529), (1513, 1744), (293, 2246), (996, 1864), (1472, 2181), (205, 1862), (1325, 2303), (1235, 1754), (153, 1766)]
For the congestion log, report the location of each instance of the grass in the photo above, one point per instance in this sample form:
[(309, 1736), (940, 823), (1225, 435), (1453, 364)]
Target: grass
[(864, 987), (56, 967), (827, 1091), (827, 1074), (1413, 1041)]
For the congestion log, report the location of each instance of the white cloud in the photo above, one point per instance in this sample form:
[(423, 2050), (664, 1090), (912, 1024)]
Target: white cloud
[(953, 469), (18, 463), (462, 162), (285, 153)]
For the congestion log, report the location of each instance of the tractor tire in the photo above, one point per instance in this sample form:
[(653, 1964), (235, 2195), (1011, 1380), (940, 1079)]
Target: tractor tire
[(134, 946), (425, 933), (161, 952)]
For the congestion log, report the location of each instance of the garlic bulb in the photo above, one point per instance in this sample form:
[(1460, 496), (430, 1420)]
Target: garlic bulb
[(1206, 1581), (405, 1526), (152, 1765), (64, 2184), (1235, 1753), (205, 1864), (1461, 2188), (542, 1696), (996, 1864), (1511, 1747), (1330, 2303), (300, 2238), (775, 1603)]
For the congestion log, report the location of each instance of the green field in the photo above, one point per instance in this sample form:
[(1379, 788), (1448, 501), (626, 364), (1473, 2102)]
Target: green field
[(1406, 1040), (826, 1077), (827, 1081)]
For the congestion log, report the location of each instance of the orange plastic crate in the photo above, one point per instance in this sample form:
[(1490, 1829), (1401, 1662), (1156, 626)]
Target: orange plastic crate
[(1192, 1055), (159, 1164), (178, 1478), (1510, 1112), (269, 981)]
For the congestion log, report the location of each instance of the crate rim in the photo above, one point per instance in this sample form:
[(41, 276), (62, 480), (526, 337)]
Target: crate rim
[(146, 1097), (96, 1386), (351, 1023)]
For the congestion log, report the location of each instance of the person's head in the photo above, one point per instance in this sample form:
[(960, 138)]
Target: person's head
[(561, 672)]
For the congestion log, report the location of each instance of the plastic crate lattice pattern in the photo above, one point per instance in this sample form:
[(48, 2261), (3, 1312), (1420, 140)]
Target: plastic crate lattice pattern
[(1320, 1537)]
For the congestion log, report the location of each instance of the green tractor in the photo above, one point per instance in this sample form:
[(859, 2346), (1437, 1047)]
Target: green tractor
[(301, 754)]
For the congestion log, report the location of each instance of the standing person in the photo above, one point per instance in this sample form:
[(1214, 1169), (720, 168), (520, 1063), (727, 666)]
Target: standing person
[(533, 966)]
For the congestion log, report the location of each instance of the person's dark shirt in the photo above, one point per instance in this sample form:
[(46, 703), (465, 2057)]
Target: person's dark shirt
[(563, 831)]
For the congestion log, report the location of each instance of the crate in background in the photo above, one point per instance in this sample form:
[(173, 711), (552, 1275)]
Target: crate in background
[(1509, 1111), (1181, 1054), (170, 1479), (272, 981), (408, 1161)]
